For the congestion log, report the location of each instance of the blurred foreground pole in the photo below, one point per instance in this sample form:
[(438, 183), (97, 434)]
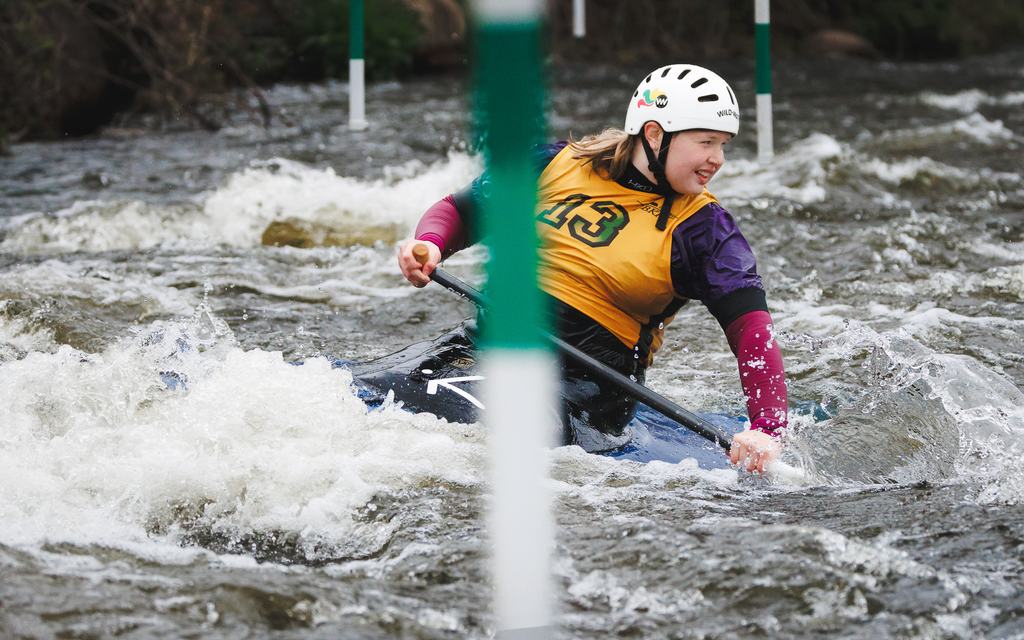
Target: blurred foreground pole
[(579, 18), (521, 380), (356, 67), (763, 83)]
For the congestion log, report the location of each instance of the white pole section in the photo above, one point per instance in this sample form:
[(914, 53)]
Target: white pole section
[(356, 67), (521, 381), (763, 82), (518, 391), (579, 18)]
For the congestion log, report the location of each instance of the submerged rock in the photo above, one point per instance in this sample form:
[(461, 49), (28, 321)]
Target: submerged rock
[(306, 235)]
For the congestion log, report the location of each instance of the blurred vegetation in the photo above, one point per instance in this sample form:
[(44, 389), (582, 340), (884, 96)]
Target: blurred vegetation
[(897, 29), (67, 67), (928, 29)]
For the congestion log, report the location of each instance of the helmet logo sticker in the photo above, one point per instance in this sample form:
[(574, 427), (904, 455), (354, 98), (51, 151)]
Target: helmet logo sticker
[(652, 98)]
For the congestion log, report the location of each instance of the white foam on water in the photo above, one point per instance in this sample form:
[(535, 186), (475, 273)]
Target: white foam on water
[(98, 283), (808, 317), (21, 335), (803, 171), (883, 179), (280, 189), (977, 128), (1012, 99), (96, 448), (333, 290), (903, 171), (798, 173), (869, 354), (1000, 280), (1008, 280), (970, 100), (987, 408), (95, 225), (974, 128), (1009, 251), (926, 317), (337, 276), (596, 480), (601, 588), (870, 559), (867, 563), (237, 213), (965, 101)]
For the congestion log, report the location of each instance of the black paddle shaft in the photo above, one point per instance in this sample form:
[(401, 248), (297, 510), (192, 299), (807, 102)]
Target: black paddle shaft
[(635, 390)]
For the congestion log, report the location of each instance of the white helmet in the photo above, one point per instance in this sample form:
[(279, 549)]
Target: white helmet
[(684, 96)]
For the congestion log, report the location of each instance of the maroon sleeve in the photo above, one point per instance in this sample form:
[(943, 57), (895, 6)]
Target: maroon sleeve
[(752, 339), (442, 225)]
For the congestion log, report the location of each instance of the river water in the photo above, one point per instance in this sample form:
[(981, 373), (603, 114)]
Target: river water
[(261, 499)]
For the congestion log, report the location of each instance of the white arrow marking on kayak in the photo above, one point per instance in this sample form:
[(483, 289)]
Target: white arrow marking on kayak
[(448, 383)]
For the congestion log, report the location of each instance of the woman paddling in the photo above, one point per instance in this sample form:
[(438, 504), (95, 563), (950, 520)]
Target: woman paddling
[(629, 233)]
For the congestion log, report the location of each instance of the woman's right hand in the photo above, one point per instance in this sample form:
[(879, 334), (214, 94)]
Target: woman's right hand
[(416, 273)]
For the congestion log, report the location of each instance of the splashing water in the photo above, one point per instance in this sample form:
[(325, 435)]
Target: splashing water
[(160, 448)]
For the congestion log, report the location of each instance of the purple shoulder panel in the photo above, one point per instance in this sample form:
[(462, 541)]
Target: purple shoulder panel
[(710, 256)]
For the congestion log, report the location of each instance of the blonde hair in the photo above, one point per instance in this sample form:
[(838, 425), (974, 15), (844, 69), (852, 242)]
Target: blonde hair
[(608, 153)]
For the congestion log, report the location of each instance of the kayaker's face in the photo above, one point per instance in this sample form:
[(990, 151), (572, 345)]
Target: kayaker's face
[(694, 157)]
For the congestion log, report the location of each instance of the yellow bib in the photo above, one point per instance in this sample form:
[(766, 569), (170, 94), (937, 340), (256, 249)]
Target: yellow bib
[(600, 251)]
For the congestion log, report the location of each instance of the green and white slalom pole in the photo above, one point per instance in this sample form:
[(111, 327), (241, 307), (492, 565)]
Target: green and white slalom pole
[(356, 66), (763, 82), (521, 380)]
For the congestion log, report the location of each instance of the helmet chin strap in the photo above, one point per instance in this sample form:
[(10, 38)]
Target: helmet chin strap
[(657, 167)]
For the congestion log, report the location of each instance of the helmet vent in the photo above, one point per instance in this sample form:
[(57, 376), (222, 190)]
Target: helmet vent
[(698, 82), (636, 93), (665, 72), (731, 97), (683, 74), (711, 97), (648, 78)]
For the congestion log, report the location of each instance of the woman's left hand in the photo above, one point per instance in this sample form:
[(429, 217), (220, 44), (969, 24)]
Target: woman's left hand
[(414, 271), (754, 450)]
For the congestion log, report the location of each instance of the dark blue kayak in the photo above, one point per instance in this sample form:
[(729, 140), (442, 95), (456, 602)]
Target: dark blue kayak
[(656, 437), (440, 376)]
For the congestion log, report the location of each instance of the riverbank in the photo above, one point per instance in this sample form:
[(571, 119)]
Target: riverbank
[(68, 68)]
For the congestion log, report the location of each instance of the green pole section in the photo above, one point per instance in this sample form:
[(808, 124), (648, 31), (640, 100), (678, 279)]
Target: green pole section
[(763, 79), (510, 116), (355, 29), (763, 49)]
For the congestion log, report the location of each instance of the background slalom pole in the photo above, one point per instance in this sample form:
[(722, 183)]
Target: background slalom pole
[(521, 380), (579, 18), (356, 67), (763, 81)]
